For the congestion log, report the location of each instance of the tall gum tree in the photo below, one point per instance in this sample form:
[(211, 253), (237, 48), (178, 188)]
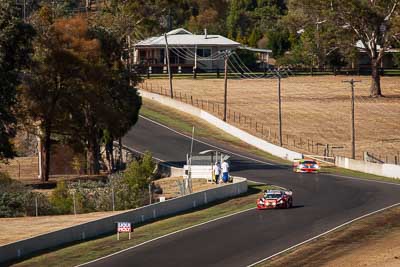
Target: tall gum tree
[(15, 50), (47, 83), (375, 23)]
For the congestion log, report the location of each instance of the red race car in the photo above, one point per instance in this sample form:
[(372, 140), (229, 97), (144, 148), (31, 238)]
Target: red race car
[(306, 165), (275, 199)]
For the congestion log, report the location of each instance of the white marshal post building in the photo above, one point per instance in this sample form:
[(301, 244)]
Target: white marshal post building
[(187, 51)]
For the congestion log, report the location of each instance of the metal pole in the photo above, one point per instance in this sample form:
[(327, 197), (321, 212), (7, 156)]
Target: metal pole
[(168, 66), (353, 127), (279, 110), (225, 84), (113, 199), (24, 10), (73, 196), (36, 207), (190, 164), (150, 196)]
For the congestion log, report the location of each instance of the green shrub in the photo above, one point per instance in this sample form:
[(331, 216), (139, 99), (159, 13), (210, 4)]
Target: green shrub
[(18, 200), (138, 176), (61, 199)]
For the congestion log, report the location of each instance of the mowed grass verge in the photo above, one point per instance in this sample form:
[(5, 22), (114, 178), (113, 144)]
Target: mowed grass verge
[(86, 251), (204, 131)]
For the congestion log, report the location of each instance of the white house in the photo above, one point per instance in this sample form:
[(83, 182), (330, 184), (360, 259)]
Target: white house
[(187, 51)]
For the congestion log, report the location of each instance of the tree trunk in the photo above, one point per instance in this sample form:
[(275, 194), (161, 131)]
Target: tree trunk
[(110, 155), (375, 89), (46, 149), (93, 155)]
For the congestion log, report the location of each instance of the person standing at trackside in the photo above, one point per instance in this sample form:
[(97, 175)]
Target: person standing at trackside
[(225, 171), (217, 171)]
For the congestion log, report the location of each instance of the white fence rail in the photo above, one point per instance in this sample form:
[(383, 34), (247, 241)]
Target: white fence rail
[(387, 170), (232, 130)]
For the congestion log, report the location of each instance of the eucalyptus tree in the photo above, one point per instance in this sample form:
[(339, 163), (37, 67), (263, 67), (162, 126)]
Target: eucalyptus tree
[(373, 23), (15, 50)]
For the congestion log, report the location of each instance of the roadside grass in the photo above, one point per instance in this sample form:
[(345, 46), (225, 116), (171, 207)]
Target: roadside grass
[(183, 123), (314, 110), (357, 174), (82, 252), (342, 242)]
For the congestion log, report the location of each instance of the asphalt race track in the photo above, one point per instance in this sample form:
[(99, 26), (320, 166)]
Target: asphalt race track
[(321, 201)]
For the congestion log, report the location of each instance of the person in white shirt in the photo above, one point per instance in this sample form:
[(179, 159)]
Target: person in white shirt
[(225, 171), (217, 171)]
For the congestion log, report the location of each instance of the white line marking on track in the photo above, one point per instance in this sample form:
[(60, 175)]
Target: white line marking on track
[(362, 179), (142, 153), (256, 160), (205, 143), (322, 234), (178, 231), (276, 254)]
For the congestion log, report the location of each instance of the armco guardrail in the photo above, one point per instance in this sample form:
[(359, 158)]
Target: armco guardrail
[(232, 130), (387, 170), (106, 225)]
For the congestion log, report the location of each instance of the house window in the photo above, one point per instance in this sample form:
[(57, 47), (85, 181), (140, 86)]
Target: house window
[(204, 52), (142, 55), (162, 54)]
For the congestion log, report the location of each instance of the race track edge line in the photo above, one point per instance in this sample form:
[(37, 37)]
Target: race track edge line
[(205, 143), (260, 161), (322, 234), (155, 239)]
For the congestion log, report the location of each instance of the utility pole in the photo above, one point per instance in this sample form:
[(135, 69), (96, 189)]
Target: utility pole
[(169, 66), (353, 128), (189, 181), (226, 55), (279, 110)]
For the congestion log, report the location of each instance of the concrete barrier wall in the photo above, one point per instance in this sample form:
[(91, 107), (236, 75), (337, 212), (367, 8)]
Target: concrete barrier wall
[(106, 225), (232, 130), (387, 170)]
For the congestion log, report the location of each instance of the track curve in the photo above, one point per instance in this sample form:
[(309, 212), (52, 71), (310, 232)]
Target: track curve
[(322, 202)]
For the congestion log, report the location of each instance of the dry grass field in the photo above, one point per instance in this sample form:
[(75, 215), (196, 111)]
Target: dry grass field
[(314, 109)]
